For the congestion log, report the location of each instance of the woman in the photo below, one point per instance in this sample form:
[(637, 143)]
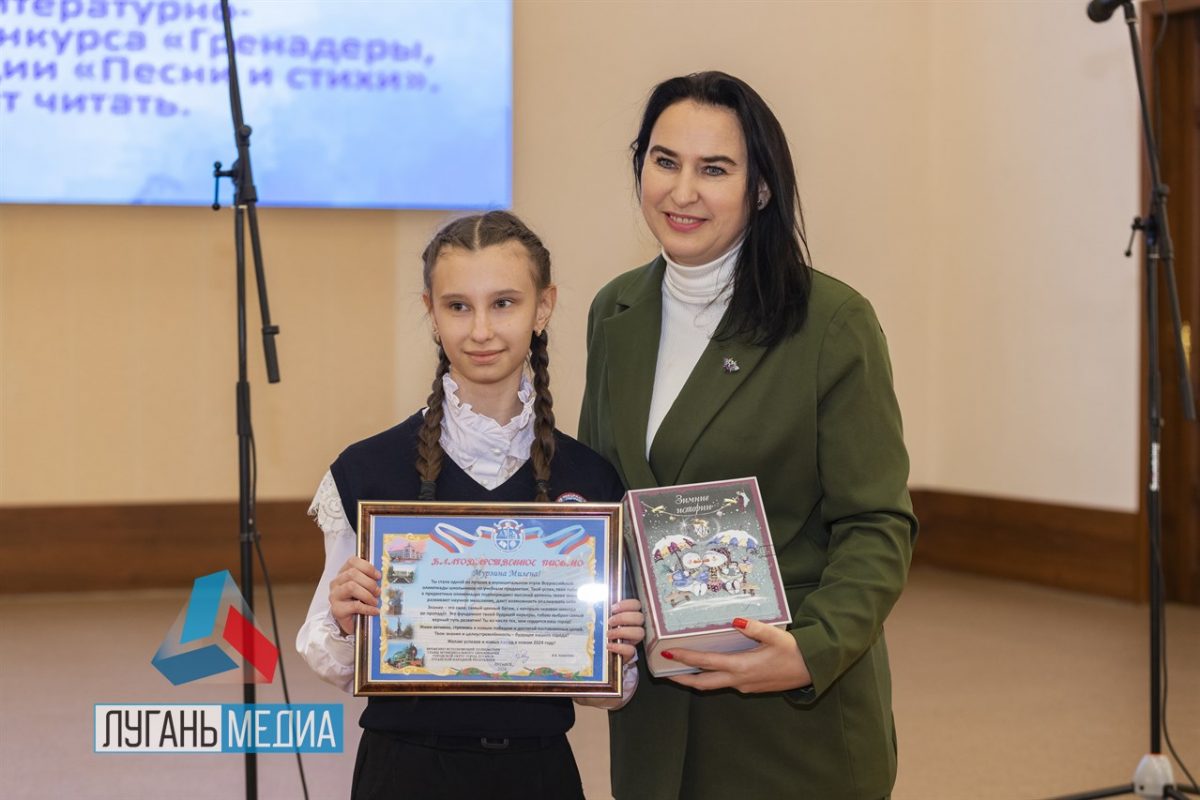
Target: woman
[(769, 368)]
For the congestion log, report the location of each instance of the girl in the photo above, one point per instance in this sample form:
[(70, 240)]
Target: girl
[(765, 367), (487, 435)]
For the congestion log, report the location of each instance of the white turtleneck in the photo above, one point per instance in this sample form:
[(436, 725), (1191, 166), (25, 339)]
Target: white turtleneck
[(693, 301)]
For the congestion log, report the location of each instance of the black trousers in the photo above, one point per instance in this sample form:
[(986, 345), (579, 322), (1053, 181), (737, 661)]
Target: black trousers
[(414, 767)]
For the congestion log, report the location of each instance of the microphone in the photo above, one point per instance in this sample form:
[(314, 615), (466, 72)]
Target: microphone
[(1101, 10)]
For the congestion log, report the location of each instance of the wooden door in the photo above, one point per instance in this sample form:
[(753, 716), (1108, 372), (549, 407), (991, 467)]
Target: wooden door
[(1179, 137)]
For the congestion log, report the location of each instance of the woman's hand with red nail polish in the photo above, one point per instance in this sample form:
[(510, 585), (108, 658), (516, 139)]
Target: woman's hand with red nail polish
[(776, 665)]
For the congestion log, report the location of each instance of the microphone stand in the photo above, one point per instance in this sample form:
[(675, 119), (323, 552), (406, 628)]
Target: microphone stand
[(245, 206), (1154, 777)]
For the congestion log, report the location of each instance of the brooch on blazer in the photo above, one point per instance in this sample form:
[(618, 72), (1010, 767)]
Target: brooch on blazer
[(729, 365)]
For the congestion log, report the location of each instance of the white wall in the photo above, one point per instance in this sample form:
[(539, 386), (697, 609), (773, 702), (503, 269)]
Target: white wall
[(1033, 346)]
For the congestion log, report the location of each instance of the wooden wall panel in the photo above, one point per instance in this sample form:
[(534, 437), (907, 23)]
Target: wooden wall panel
[(1084, 549), (85, 548)]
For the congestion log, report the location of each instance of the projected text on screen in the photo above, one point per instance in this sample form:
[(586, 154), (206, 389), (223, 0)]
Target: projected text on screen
[(400, 104)]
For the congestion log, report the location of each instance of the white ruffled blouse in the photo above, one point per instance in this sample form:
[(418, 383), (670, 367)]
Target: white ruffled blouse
[(486, 450)]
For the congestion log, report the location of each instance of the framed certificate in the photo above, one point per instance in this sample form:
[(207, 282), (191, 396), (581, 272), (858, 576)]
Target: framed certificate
[(490, 599)]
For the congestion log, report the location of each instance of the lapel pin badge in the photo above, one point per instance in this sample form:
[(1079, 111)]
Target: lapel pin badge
[(729, 365)]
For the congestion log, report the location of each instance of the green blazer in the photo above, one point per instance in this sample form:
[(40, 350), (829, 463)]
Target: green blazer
[(815, 419)]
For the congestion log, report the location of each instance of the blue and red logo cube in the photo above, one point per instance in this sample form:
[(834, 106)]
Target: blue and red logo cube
[(214, 636)]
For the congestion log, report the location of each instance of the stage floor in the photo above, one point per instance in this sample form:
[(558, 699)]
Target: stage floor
[(1002, 690)]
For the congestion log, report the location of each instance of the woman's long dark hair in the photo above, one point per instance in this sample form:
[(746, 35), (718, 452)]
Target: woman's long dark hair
[(472, 234), (773, 276)]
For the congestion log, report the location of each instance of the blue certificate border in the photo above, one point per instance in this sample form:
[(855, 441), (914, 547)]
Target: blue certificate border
[(457, 536)]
